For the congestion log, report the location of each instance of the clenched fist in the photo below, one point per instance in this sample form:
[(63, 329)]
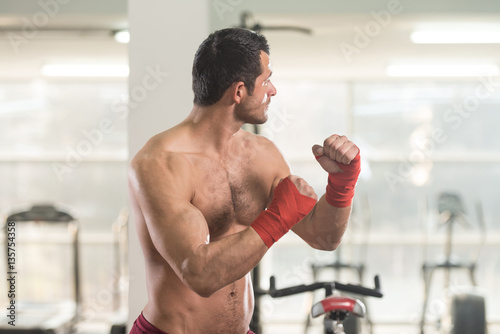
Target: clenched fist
[(335, 150)]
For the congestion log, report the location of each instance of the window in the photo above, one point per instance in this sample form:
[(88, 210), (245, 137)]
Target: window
[(418, 139)]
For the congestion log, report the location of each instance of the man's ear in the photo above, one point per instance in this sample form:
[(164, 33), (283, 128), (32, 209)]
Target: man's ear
[(239, 91)]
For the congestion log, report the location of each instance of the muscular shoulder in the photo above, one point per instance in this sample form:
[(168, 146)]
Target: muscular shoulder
[(265, 152), (259, 143), (158, 164)]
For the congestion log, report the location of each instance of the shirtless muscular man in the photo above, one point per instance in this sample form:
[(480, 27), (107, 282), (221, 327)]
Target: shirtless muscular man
[(207, 210)]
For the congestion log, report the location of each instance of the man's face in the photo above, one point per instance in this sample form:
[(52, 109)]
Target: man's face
[(254, 110)]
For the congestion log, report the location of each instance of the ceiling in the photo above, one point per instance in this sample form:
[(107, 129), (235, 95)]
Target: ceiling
[(32, 35), (82, 30), (339, 46)]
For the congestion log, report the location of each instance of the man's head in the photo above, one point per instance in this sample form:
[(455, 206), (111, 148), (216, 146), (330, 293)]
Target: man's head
[(225, 57)]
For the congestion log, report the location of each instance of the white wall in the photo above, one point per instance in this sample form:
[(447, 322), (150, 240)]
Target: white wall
[(164, 38)]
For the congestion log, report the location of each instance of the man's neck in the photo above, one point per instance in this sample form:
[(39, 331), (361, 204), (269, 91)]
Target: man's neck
[(214, 125)]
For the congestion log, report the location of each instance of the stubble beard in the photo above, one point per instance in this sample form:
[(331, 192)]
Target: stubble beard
[(256, 115)]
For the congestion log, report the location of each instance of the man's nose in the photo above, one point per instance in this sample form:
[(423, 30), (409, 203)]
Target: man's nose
[(272, 90)]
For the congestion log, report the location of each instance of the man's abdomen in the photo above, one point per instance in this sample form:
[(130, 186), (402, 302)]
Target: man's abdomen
[(236, 306), (176, 309)]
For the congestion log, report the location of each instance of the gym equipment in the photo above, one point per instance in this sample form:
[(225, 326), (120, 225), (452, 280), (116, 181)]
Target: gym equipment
[(335, 308), (45, 318), (352, 324), (467, 311), (120, 309), (257, 292)]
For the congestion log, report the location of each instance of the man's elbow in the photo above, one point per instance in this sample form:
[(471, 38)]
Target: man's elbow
[(199, 281), (202, 290), (325, 244), (328, 248)]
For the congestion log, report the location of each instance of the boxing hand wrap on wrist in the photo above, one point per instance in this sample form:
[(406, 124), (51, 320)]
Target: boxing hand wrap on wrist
[(287, 208), (340, 188)]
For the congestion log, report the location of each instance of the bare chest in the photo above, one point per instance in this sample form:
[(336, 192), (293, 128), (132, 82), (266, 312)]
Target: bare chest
[(229, 195)]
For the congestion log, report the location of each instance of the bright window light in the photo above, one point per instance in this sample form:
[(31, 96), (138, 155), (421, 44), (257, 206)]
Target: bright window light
[(455, 37), (85, 70), (442, 70)]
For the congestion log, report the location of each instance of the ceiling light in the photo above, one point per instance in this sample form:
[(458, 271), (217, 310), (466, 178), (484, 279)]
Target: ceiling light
[(122, 36), (442, 70), (455, 37), (85, 70), (485, 32)]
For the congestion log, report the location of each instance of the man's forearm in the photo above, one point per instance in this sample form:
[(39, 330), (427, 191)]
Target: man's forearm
[(212, 266), (324, 226), (220, 263)]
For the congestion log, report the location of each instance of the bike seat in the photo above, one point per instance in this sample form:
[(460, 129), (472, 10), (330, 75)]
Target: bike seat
[(338, 304)]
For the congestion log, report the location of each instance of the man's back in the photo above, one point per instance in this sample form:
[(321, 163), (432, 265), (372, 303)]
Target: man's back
[(229, 190)]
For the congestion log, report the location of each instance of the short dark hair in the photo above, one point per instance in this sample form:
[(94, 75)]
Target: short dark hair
[(225, 57)]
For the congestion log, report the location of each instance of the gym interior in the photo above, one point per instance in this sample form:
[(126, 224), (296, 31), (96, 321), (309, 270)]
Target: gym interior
[(415, 84)]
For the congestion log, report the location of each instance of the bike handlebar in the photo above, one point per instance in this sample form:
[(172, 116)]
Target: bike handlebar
[(328, 286)]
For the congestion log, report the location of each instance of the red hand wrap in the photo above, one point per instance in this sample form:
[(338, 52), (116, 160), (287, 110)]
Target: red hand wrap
[(287, 208), (340, 188)]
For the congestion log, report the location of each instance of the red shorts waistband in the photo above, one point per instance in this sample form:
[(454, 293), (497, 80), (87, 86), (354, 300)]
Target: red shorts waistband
[(142, 326)]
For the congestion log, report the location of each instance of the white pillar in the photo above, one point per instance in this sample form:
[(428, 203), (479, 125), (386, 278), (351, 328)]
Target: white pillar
[(164, 38)]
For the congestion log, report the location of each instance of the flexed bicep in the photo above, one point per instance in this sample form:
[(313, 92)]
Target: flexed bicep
[(161, 187)]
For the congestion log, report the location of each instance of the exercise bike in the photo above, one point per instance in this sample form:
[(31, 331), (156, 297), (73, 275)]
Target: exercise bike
[(467, 314), (360, 221), (334, 308)]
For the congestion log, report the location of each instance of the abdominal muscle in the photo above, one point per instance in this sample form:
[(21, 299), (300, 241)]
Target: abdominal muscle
[(176, 309)]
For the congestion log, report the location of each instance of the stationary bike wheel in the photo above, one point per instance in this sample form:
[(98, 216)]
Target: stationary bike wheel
[(468, 314)]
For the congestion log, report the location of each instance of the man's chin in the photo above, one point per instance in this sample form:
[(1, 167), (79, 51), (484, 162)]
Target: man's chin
[(258, 120), (261, 120), (265, 116)]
